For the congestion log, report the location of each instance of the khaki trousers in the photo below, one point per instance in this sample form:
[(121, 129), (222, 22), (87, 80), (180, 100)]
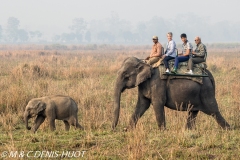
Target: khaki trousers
[(153, 60), (194, 60)]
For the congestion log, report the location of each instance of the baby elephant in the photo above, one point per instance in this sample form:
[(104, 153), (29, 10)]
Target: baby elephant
[(52, 107)]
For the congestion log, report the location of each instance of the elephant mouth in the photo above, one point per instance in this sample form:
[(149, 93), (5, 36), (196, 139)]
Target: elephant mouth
[(123, 89), (126, 87), (32, 115)]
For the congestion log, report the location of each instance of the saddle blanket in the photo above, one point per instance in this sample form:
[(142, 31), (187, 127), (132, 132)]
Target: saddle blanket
[(198, 69)]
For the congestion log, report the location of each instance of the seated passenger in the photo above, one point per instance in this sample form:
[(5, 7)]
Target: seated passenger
[(198, 56), (156, 52), (170, 52), (186, 51)]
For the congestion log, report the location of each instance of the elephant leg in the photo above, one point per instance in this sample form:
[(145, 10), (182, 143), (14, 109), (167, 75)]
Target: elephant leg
[(211, 108), (220, 120), (38, 121), (160, 116), (74, 122), (67, 126), (52, 124), (142, 105), (191, 120), (79, 126)]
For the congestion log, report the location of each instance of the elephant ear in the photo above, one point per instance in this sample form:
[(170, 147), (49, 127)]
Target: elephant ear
[(40, 107), (144, 72)]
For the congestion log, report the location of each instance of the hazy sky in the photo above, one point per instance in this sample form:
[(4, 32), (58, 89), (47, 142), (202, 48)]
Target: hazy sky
[(56, 15)]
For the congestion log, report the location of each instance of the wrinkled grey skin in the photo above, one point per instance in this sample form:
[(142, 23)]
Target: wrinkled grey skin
[(52, 107), (160, 93)]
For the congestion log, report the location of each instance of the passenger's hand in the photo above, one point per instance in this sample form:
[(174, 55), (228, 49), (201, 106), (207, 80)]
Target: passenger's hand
[(163, 56)]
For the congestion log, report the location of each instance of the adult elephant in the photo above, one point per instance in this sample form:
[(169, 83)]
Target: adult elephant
[(160, 93)]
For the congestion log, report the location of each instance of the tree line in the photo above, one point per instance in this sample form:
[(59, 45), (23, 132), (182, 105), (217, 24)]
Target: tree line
[(114, 30)]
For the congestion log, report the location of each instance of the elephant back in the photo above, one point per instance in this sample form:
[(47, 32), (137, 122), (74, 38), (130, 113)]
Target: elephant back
[(199, 69)]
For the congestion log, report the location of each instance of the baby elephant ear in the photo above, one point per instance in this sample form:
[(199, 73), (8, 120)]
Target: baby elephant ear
[(40, 106), (143, 73)]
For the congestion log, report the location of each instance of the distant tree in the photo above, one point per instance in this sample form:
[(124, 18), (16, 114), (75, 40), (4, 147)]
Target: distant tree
[(111, 38), (56, 38), (78, 27), (1, 30), (12, 29), (68, 37), (79, 37), (142, 31), (128, 36), (36, 34), (114, 20), (157, 26), (22, 35), (116, 27), (102, 36), (236, 32), (88, 36), (106, 37)]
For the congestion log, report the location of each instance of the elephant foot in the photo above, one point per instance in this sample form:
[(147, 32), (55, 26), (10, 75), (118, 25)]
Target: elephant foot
[(80, 127), (130, 128), (34, 130), (190, 127), (162, 128), (227, 127)]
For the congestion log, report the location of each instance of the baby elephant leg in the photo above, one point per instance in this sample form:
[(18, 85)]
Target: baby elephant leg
[(38, 121), (67, 126), (79, 126), (52, 124), (74, 122)]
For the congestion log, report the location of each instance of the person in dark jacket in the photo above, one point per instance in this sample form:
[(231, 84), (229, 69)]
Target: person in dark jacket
[(198, 56)]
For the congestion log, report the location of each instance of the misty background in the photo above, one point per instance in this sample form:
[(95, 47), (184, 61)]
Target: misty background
[(117, 22)]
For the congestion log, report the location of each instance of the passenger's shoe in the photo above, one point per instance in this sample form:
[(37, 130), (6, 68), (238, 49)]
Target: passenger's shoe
[(189, 72), (167, 71), (174, 71)]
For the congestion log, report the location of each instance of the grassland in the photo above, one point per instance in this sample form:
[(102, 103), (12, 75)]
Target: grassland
[(88, 77)]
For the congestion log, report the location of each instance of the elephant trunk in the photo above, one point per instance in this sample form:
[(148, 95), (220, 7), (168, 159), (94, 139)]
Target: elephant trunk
[(26, 118), (117, 96)]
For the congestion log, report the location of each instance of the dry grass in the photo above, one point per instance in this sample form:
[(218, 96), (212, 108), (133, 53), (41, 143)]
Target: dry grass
[(88, 77)]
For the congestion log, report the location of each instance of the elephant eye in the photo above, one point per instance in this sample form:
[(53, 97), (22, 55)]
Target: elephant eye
[(127, 76)]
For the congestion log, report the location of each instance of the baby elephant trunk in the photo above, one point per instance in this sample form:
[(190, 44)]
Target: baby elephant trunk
[(26, 118)]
